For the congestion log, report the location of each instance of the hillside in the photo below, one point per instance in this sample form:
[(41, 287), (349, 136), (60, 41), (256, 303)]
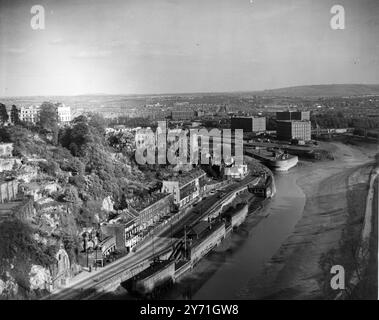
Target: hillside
[(332, 90)]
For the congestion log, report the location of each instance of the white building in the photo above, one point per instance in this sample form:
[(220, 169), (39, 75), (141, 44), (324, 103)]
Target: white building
[(30, 113), (64, 114), (236, 171)]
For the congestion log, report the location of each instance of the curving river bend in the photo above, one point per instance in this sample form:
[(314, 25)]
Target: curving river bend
[(225, 273)]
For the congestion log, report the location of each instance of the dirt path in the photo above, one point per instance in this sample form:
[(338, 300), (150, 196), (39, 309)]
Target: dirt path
[(294, 272)]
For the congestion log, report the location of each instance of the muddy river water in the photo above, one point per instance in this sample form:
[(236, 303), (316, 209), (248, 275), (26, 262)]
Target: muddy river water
[(225, 273)]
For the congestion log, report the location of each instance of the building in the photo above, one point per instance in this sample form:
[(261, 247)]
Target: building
[(142, 215), (249, 124), (151, 209), (30, 113), (293, 115), (182, 114), (116, 230), (107, 245), (236, 171), (64, 114), (294, 129), (185, 187)]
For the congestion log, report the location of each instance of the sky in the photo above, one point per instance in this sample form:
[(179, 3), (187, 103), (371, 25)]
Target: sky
[(179, 46)]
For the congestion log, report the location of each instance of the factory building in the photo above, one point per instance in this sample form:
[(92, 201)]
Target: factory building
[(249, 124), (290, 130), (293, 115)]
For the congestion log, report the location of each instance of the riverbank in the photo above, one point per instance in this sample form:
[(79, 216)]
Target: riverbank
[(335, 199), (276, 253), (223, 272)]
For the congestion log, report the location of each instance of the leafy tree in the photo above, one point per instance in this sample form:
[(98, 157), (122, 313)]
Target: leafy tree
[(49, 167), (3, 113), (77, 138), (97, 122), (71, 195), (48, 120), (15, 116), (16, 242)]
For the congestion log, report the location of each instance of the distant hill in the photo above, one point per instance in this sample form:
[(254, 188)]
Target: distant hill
[(332, 90)]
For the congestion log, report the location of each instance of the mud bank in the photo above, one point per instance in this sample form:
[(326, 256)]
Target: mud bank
[(294, 272)]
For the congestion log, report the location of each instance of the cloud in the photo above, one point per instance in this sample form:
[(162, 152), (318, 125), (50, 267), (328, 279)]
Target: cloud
[(56, 41), (15, 50), (92, 54)]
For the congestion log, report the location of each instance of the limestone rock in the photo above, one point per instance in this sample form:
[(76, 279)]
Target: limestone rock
[(39, 278), (107, 204)]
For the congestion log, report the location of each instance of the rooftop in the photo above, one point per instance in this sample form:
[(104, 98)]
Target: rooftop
[(155, 267), (186, 177), (138, 203)]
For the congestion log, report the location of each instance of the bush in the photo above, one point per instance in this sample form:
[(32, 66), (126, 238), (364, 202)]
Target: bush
[(50, 167)]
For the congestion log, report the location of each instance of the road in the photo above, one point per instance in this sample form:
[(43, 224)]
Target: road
[(92, 280)]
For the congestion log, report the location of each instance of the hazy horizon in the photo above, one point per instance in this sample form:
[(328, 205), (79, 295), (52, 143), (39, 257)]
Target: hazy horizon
[(163, 47), (185, 93)]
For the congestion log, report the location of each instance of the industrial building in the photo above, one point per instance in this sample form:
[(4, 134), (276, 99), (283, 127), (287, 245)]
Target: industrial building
[(249, 124), (293, 115), (293, 125), (290, 130)]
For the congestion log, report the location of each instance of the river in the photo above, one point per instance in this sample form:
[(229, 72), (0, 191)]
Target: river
[(225, 273)]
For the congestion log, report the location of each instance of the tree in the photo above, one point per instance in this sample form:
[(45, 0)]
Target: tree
[(3, 113), (97, 122), (15, 116), (48, 120)]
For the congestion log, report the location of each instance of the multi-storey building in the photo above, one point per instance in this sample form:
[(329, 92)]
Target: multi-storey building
[(30, 113), (249, 124), (185, 187), (151, 209), (293, 115), (64, 113), (295, 129)]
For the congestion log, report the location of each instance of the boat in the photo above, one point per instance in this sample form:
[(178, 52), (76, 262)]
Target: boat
[(283, 163)]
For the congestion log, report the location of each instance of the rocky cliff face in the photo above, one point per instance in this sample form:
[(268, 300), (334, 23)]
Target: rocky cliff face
[(107, 204), (40, 278), (8, 287)]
